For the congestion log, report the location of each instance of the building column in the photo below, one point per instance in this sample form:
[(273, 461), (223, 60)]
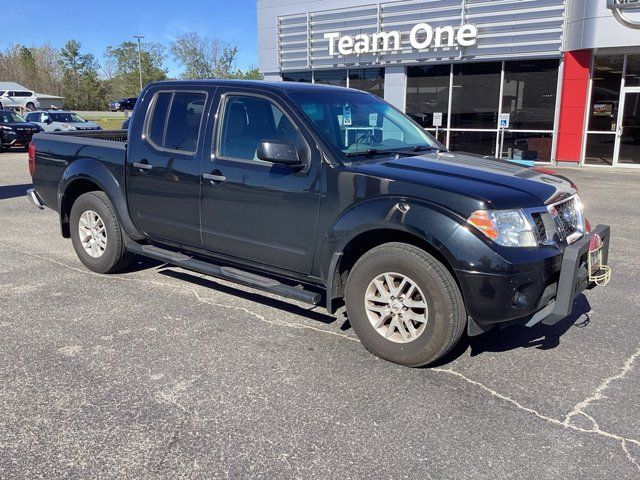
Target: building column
[(395, 86), (573, 106)]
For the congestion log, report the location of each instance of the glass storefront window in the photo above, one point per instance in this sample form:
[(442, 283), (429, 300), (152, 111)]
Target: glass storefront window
[(605, 95), (632, 77), (534, 147), (442, 134), (475, 96), (482, 143), (331, 77), (529, 93), (428, 92), (600, 149), (367, 79), (305, 77)]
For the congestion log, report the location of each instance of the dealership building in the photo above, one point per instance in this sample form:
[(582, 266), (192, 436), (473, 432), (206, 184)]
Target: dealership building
[(551, 81)]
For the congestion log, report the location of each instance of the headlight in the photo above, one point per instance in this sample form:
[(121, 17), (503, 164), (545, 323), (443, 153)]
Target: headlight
[(8, 129), (508, 228)]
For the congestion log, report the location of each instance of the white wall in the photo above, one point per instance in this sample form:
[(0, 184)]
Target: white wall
[(590, 24)]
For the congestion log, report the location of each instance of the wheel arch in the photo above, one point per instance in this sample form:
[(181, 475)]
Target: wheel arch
[(87, 175), (342, 262)]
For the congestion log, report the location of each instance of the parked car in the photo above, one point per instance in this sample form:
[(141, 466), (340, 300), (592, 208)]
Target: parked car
[(60, 121), (15, 131), (122, 104), (325, 195), (18, 99)]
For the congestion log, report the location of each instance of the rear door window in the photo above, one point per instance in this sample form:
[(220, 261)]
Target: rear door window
[(183, 125), (158, 120), (175, 121)]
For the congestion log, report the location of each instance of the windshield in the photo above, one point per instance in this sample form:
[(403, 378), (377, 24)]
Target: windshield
[(67, 118), (11, 117), (357, 124)]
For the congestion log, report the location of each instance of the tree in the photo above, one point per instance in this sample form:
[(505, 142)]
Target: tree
[(250, 74), (203, 57), (124, 64), (27, 63), (81, 86)]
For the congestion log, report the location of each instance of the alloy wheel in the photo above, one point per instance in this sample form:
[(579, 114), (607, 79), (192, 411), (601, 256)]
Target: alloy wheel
[(396, 307)]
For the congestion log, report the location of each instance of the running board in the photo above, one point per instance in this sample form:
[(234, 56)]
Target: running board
[(226, 273)]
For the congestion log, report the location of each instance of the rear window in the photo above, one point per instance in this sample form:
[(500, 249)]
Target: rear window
[(175, 121), (155, 130)]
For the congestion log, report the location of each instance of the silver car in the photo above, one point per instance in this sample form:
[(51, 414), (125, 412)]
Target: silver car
[(19, 99), (60, 121)]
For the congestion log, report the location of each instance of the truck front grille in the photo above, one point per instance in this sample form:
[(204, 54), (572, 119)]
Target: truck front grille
[(538, 223), (566, 216), (558, 222)]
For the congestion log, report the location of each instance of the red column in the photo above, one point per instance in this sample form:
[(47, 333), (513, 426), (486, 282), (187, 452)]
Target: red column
[(573, 104)]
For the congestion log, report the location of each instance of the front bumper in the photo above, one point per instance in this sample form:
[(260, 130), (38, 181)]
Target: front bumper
[(554, 291), (574, 278)]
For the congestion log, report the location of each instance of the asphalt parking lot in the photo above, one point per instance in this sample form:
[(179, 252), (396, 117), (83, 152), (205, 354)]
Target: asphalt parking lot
[(146, 375)]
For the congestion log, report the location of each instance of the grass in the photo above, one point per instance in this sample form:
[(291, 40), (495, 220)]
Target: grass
[(106, 122)]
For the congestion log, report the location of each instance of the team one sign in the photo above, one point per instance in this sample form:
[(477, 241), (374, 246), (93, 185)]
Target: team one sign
[(422, 37)]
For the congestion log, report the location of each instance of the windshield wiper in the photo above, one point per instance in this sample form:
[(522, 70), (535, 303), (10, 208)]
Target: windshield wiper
[(374, 151), (424, 148)]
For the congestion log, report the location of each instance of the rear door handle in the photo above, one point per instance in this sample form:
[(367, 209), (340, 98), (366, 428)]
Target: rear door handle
[(214, 178), (142, 166)]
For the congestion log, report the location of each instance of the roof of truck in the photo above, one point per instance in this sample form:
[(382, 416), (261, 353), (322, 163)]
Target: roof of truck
[(272, 86)]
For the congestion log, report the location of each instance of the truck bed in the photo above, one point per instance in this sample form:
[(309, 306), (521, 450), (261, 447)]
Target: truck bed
[(55, 152)]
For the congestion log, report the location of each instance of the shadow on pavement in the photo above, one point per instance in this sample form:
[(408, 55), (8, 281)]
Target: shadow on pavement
[(142, 263), (542, 337), (12, 191), (254, 297)]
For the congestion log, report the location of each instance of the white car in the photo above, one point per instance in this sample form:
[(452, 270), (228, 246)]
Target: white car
[(19, 99), (60, 121)]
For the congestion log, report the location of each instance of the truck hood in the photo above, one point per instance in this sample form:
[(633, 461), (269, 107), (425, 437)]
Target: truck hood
[(498, 184)]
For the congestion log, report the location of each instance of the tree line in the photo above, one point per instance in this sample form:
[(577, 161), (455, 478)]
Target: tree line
[(85, 84)]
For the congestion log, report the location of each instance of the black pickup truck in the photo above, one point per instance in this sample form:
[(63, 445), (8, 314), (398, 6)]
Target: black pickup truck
[(329, 196)]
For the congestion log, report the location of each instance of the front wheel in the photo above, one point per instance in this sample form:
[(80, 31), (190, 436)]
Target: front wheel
[(404, 305), (96, 234)]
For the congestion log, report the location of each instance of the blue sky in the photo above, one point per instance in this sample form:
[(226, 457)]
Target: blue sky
[(98, 24)]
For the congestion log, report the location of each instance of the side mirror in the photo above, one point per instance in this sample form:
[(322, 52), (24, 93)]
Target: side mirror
[(278, 152), (48, 121)]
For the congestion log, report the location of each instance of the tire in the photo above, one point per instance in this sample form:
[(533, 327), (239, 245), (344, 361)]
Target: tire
[(30, 106), (114, 256), (428, 282)]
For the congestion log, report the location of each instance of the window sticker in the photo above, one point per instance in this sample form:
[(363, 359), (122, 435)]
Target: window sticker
[(346, 115)]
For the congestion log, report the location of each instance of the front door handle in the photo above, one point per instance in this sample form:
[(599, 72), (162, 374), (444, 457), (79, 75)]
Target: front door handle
[(142, 166), (214, 178)]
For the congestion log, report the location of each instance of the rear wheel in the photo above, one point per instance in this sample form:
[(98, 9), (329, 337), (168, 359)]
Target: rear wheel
[(404, 305), (96, 234), (30, 106)]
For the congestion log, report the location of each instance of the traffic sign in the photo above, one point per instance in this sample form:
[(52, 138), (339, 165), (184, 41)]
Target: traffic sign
[(503, 120), (437, 119)]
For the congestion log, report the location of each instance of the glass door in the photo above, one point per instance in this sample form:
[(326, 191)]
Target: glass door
[(628, 133)]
